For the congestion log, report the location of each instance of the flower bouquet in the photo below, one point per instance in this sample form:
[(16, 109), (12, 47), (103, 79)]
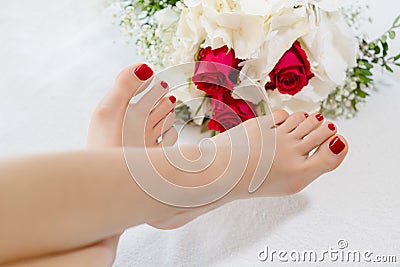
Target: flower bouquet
[(304, 54)]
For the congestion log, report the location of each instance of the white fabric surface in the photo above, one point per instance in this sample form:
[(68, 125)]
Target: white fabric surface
[(58, 58)]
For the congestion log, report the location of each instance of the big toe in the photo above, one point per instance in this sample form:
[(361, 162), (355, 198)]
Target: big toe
[(328, 156), (280, 116), (129, 82)]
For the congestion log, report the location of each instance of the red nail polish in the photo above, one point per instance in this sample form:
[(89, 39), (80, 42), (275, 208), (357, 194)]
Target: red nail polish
[(143, 72), (306, 115), (164, 85), (172, 99), (331, 127), (319, 117), (336, 145)]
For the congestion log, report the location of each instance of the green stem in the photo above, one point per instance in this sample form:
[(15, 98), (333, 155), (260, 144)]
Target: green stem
[(262, 107), (201, 105)]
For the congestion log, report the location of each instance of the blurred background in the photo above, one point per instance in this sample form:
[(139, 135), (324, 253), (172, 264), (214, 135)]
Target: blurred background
[(57, 60)]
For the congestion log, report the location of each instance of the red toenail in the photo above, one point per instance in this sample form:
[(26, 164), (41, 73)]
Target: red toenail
[(172, 99), (143, 72), (319, 117), (306, 115), (331, 127), (336, 145), (164, 85)]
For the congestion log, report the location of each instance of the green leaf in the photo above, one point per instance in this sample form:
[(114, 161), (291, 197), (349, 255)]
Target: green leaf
[(388, 68), (396, 57), (361, 93), (385, 47), (364, 62), (377, 50), (369, 66), (392, 35), (384, 38), (365, 80), (354, 104), (371, 46), (397, 64), (366, 72)]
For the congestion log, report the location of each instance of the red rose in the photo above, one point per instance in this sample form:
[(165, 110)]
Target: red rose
[(216, 71), (223, 120), (292, 72), (243, 108), (228, 112)]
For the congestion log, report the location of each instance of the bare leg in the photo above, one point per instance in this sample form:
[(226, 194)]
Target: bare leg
[(74, 200), (97, 255)]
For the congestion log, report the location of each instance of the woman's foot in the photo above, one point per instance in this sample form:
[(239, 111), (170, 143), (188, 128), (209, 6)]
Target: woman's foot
[(152, 116), (293, 168), (307, 146)]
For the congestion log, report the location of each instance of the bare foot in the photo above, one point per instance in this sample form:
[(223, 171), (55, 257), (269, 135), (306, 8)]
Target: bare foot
[(152, 116), (295, 165), (278, 118)]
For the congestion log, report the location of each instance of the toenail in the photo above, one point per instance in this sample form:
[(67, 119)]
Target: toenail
[(306, 115), (143, 72), (319, 117), (336, 145), (172, 99), (164, 84), (331, 127)]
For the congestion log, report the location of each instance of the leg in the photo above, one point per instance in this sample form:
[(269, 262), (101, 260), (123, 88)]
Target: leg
[(98, 199), (97, 255)]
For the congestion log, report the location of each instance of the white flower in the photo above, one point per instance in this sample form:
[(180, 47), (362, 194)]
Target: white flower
[(189, 35), (261, 31), (331, 49), (166, 17), (284, 28)]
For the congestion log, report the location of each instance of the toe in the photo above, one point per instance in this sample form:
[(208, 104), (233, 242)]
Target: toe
[(308, 125), (153, 96), (280, 116), (107, 120), (170, 137), (327, 157), (293, 122), (163, 126), (161, 110), (317, 137), (128, 83)]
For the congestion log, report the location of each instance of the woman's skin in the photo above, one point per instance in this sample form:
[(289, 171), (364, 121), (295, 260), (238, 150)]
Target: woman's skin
[(68, 209)]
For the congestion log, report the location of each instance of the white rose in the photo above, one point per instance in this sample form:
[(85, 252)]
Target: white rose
[(286, 27), (331, 49), (331, 46), (189, 35)]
